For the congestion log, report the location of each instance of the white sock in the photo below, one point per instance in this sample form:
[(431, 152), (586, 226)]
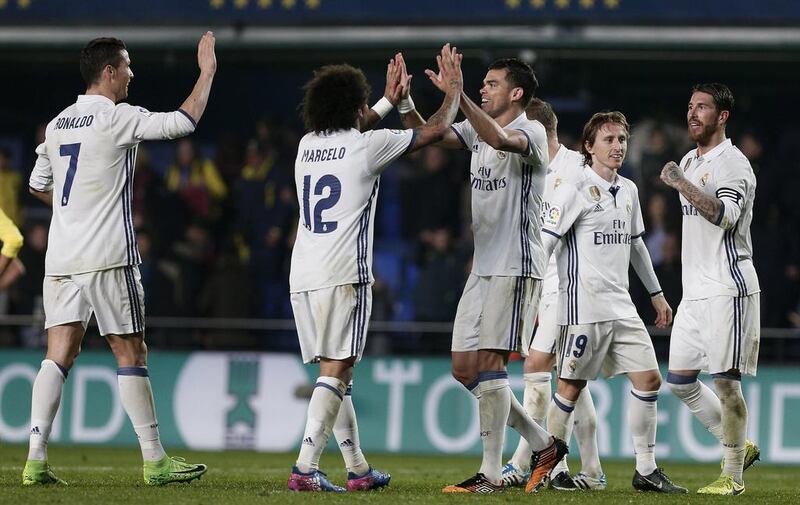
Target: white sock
[(45, 400), (322, 412), (585, 429), (535, 401), (734, 426), (537, 437), (345, 429), (559, 416), (136, 395), (642, 420), (701, 400), (494, 405)]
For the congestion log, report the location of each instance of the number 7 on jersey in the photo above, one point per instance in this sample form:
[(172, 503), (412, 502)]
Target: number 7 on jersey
[(71, 150)]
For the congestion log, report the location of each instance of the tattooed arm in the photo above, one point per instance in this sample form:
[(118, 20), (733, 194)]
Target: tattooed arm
[(708, 206)]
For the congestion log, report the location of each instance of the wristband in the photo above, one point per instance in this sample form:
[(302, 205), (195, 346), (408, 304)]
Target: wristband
[(406, 105), (383, 107)]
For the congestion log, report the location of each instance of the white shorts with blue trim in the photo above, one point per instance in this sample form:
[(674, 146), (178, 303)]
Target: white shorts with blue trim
[(115, 297), (584, 351), (332, 322), (717, 334), (496, 313), (544, 340)]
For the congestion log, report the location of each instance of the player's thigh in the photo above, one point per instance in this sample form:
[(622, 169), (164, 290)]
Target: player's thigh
[(467, 323), (117, 299), (687, 348), (630, 349), (64, 302), (581, 349), (509, 312), (733, 334), (544, 340), (332, 323)]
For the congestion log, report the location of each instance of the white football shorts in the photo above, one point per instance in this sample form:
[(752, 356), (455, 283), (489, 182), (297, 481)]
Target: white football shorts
[(115, 297), (544, 340), (332, 322), (609, 347), (496, 313), (717, 334)]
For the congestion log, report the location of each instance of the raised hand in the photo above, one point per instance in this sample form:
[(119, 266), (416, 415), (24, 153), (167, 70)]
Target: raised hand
[(392, 91), (671, 174), (206, 58), (405, 78), (449, 78)]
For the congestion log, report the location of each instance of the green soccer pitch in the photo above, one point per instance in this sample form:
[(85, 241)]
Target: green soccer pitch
[(114, 476)]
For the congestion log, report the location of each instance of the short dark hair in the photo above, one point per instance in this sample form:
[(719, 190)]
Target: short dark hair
[(97, 54), (520, 75), (333, 98), (594, 124), (539, 110), (723, 98)]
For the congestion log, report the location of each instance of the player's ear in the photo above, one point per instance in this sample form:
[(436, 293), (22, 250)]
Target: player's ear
[(516, 93), (723, 117)]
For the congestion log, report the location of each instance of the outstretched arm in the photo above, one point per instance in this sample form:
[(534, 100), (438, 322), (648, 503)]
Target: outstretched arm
[(391, 96), (195, 103)]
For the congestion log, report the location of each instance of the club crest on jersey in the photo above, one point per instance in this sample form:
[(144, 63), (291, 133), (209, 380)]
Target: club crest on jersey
[(502, 155), (704, 180), (628, 206), (557, 182), (551, 214), (594, 191), (572, 365)]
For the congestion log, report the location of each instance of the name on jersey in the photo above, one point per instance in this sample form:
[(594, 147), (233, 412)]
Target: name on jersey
[(68, 123), (485, 182), (330, 154), (619, 235)]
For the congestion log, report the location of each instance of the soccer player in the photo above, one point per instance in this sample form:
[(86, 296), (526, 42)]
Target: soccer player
[(84, 170), (565, 164), (497, 308), (10, 267), (337, 172), (596, 222), (717, 329)]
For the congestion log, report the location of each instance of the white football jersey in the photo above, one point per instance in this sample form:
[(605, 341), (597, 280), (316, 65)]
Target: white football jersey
[(87, 161), (566, 165), (337, 176), (717, 258), (506, 196), (596, 222)]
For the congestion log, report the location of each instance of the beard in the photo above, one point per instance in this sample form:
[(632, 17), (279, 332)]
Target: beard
[(704, 135)]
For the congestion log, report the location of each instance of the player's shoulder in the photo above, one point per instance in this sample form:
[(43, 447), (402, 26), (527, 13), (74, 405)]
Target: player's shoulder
[(628, 184), (736, 158)]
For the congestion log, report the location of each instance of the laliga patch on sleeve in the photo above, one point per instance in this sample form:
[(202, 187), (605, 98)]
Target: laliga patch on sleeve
[(551, 216), (145, 112), (397, 132)]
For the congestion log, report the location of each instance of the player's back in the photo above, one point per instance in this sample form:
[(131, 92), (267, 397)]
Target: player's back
[(337, 176), (92, 184)]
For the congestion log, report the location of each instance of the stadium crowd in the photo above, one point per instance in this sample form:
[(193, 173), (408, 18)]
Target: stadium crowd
[(216, 222)]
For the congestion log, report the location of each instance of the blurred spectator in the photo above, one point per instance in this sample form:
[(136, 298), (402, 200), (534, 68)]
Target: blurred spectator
[(10, 184), (196, 181), (265, 213), (656, 227)]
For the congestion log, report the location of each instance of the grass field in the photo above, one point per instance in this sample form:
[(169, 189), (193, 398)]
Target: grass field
[(105, 476)]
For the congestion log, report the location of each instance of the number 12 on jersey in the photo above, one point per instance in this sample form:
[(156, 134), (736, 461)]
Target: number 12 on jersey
[(71, 150), (335, 186)]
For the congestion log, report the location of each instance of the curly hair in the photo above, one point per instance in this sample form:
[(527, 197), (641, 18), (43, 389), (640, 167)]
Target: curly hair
[(593, 126), (333, 98)]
